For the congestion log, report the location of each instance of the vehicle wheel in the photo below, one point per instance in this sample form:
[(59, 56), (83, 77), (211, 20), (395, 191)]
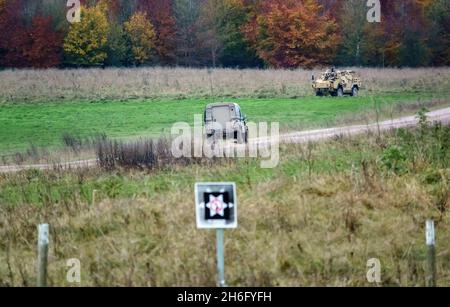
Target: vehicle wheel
[(319, 94), (355, 91), (246, 137), (340, 92), (240, 137), (236, 137)]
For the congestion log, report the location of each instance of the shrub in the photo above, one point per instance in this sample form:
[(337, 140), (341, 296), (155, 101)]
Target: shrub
[(393, 158), (141, 154)]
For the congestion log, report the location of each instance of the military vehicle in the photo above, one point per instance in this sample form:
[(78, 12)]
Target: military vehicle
[(337, 83), (225, 120)]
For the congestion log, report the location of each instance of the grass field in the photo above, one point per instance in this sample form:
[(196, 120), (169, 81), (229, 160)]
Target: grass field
[(38, 106), (313, 221), (43, 124)]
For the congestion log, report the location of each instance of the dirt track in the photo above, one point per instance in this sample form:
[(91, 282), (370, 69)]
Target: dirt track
[(442, 115)]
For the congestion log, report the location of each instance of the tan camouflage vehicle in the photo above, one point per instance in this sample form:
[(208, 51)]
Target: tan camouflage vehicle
[(225, 120), (337, 83)]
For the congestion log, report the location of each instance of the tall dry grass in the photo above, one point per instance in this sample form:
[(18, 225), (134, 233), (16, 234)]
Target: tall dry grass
[(313, 221), (153, 83), (139, 154)]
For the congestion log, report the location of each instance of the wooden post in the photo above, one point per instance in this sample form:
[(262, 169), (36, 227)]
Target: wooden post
[(94, 196), (431, 253), (43, 241)]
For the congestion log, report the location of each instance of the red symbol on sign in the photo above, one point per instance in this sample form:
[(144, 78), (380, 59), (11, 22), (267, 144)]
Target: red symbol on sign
[(217, 205)]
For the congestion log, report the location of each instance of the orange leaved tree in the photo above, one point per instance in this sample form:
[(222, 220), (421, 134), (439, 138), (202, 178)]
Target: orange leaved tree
[(292, 33), (45, 47), (160, 13)]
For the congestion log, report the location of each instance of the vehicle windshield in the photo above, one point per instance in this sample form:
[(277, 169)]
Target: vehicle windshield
[(222, 115)]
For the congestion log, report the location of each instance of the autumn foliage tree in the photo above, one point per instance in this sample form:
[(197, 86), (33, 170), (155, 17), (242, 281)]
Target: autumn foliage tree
[(405, 41), (12, 34), (225, 33), (142, 36), (160, 13), (293, 33), (5, 17), (86, 41), (44, 44), (37, 45)]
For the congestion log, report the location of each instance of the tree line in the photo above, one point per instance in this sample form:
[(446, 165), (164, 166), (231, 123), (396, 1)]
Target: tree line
[(224, 33)]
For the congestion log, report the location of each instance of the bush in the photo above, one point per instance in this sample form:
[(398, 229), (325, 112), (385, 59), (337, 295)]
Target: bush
[(418, 149), (393, 158), (141, 154), (428, 144)]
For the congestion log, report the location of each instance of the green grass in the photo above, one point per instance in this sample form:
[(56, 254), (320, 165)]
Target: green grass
[(43, 124), (313, 221)]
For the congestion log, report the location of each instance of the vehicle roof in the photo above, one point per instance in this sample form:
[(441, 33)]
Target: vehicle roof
[(222, 104), (341, 71)]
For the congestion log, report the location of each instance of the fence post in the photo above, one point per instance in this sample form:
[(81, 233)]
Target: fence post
[(94, 197), (431, 253), (43, 242)]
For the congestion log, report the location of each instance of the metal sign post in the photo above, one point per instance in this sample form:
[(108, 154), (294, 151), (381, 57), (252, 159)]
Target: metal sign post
[(220, 257), (216, 208)]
